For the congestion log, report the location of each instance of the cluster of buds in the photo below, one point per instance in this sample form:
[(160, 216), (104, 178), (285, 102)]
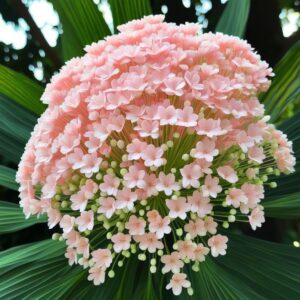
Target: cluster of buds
[(151, 142)]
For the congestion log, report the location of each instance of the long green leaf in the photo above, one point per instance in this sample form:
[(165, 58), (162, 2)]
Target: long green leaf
[(127, 10), (8, 178), (269, 269), (16, 123), (283, 207), (285, 88), (234, 18), (21, 89), (82, 24), (12, 218), (29, 253)]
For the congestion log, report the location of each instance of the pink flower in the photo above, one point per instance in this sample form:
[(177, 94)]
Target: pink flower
[(82, 246), (97, 275), (54, 217), (256, 154), (167, 115), (256, 218), (135, 225), (90, 164), (107, 207), (227, 173), (218, 245), (253, 192), (171, 262), (149, 242), (89, 188), (210, 225), (235, 197), (85, 221), (110, 184), (125, 199), (79, 201), (186, 117), (186, 249), (167, 184), (200, 252), (211, 186), (173, 85), (71, 255), (200, 204), (178, 208), (178, 282), (190, 175), (135, 177), (121, 242), (135, 149), (195, 228), (152, 156), (244, 141), (210, 128), (102, 258), (205, 149), (67, 223), (160, 226), (153, 216)]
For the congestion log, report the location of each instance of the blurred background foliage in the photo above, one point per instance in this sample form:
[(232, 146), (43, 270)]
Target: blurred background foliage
[(30, 43)]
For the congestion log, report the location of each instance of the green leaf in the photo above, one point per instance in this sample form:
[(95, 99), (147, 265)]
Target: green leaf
[(271, 270), (21, 89), (82, 24), (29, 253), (285, 88), (16, 124), (283, 207), (8, 178), (234, 18), (13, 219), (127, 10)]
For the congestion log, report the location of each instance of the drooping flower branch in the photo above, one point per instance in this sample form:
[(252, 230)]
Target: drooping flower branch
[(150, 142)]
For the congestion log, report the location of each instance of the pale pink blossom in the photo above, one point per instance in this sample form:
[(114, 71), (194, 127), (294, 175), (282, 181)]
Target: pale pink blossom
[(110, 184), (125, 199), (206, 149), (135, 177), (149, 242), (121, 242), (256, 218), (54, 217), (152, 156), (177, 282), (107, 207), (160, 226), (218, 245), (79, 201), (235, 197), (102, 258), (135, 225), (186, 117), (190, 175), (67, 223), (195, 228), (167, 183), (82, 246), (199, 204), (210, 225), (85, 221), (186, 249), (178, 208), (256, 154), (210, 127), (135, 149), (97, 275), (172, 262), (71, 255), (211, 187), (167, 115), (200, 252), (228, 173)]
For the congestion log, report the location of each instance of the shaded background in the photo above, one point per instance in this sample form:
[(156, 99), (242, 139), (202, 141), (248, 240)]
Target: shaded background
[(30, 41)]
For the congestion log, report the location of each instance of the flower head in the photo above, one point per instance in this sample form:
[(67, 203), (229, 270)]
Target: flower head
[(150, 142)]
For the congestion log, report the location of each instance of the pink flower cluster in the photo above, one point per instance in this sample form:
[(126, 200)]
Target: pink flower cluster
[(151, 140)]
